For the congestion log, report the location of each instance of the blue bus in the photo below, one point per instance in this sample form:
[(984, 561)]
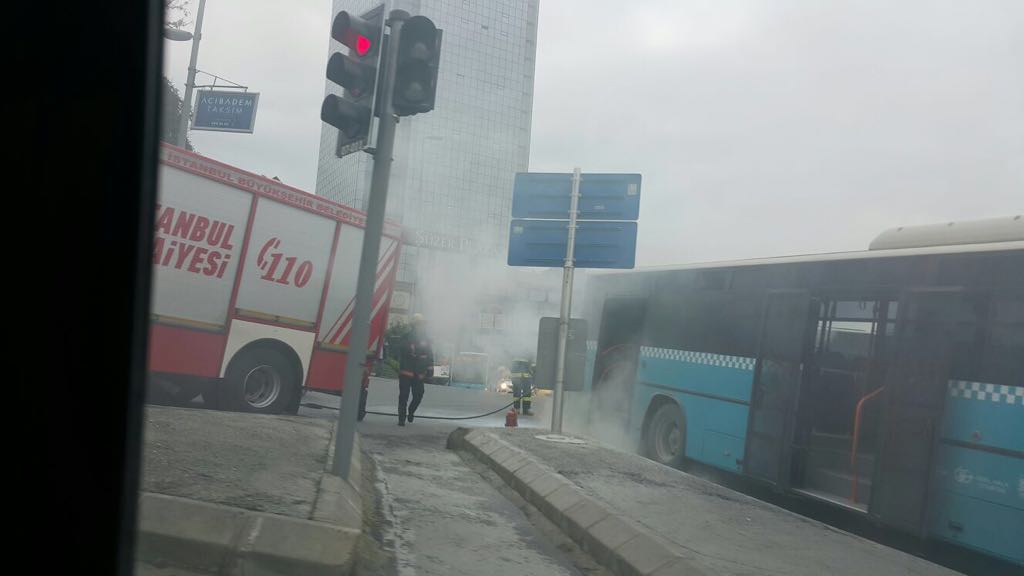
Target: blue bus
[(889, 382), (470, 370)]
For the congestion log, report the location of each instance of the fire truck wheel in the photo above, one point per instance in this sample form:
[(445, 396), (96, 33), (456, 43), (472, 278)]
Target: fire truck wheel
[(296, 400), (260, 380), (666, 436)]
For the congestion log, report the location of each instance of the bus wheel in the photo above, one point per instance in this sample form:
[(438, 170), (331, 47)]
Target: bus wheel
[(666, 436), (259, 380)]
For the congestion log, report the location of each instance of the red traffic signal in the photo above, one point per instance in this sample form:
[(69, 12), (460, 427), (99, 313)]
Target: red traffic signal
[(360, 35), (357, 73), (363, 45)]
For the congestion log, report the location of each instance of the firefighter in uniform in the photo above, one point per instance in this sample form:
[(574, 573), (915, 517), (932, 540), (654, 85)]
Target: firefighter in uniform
[(415, 364), (522, 386)]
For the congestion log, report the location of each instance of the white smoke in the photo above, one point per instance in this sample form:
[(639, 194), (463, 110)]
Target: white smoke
[(603, 413), (476, 304), (472, 304)]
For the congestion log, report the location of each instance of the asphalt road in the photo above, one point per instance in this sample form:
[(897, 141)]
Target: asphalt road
[(443, 401)]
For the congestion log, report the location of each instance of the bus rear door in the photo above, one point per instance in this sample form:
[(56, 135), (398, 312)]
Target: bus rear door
[(915, 389)]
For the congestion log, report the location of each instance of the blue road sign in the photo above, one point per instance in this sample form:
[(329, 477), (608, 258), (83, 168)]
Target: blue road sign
[(225, 111), (598, 244), (602, 196)]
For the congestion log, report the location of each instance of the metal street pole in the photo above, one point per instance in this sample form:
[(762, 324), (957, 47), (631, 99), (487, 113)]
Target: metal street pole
[(359, 342), (566, 311), (190, 82)]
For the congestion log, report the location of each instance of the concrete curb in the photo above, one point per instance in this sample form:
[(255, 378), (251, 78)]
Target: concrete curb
[(228, 540), (618, 543), (338, 501)]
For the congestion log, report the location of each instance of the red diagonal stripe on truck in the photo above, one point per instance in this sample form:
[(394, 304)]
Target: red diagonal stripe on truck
[(383, 269), (379, 294), (339, 324)]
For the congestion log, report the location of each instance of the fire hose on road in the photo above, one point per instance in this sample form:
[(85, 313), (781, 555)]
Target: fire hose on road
[(322, 407)]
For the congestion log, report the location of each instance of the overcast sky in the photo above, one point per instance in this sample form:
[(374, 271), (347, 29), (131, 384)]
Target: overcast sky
[(760, 128)]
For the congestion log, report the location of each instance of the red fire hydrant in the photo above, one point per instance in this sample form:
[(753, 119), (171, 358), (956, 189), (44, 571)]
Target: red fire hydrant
[(512, 419)]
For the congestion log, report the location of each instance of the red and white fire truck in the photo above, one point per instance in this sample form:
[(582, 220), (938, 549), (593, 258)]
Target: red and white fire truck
[(253, 286)]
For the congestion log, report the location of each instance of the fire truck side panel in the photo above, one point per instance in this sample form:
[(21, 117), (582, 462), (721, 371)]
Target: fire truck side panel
[(286, 265), (342, 288), (335, 328), (200, 229), (178, 350)]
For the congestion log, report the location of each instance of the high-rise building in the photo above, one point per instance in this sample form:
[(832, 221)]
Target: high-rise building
[(451, 180)]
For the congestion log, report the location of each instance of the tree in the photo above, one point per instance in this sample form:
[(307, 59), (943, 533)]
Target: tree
[(176, 13), (171, 105)]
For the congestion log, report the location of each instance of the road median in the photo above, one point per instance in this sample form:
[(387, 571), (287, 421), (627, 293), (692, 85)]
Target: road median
[(622, 546), (637, 517)]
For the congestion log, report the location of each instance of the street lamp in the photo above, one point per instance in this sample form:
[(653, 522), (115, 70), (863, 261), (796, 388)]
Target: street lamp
[(190, 83), (177, 35)]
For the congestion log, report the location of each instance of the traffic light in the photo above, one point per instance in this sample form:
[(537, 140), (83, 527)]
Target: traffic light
[(419, 51), (356, 72)]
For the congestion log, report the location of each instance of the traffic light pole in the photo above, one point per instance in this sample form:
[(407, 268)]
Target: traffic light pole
[(359, 342), (566, 310)]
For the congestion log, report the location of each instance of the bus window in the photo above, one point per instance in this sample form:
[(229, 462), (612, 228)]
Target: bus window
[(714, 279), (1004, 355), (715, 322), (750, 278), (966, 338)]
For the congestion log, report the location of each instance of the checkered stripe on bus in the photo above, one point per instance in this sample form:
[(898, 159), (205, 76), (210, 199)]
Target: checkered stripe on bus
[(989, 392), (740, 362)]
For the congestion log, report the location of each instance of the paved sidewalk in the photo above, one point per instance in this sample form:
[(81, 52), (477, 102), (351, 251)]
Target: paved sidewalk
[(237, 493)]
